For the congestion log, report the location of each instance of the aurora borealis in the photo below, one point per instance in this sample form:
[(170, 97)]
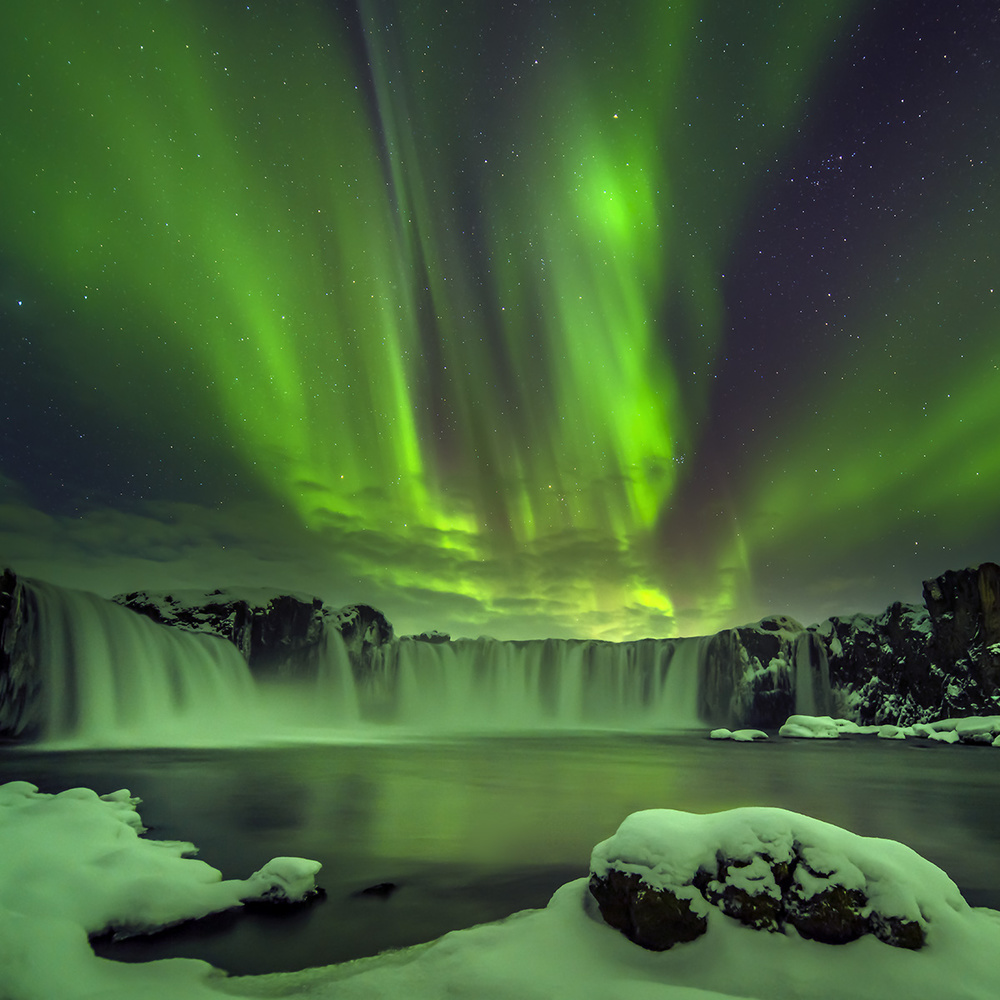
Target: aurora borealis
[(519, 318)]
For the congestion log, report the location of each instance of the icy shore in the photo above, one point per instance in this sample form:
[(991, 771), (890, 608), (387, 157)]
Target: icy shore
[(75, 863)]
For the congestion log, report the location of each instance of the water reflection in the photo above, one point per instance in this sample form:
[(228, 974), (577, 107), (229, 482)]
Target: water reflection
[(472, 830)]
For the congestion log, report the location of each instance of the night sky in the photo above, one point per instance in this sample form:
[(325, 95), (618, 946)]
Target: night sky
[(526, 319)]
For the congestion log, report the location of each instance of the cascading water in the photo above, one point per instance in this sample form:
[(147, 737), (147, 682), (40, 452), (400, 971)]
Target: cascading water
[(111, 676), (103, 675), (812, 677), (479, 685)]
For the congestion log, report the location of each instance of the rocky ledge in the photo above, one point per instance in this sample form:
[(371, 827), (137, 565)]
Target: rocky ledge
[(276, 633)]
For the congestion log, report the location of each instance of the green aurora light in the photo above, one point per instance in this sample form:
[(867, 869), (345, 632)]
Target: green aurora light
[(462, 299)]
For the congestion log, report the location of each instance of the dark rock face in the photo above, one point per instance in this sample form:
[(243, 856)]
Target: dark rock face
[(964, 609), (275, 635), (918, 664), (213, 614), (653, 918), (363, 628), (20, 680), (757, 675), (433, 637)]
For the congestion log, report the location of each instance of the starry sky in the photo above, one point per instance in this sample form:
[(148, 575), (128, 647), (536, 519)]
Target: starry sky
[(519, 318)]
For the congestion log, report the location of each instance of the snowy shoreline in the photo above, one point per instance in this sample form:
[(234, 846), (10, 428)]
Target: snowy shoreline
[(75, 863), (976, 730)]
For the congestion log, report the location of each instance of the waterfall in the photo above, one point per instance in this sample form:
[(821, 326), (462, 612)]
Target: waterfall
[(812, 676), (483, 685), (88, 672), (109, 676)]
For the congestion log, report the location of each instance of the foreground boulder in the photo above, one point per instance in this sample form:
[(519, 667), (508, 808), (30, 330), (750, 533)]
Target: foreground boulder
[(665, 875)]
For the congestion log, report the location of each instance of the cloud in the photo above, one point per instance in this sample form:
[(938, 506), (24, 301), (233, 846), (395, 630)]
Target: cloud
[(578, 583)]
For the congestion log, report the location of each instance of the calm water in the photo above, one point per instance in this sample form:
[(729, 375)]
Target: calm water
[(473, 830)]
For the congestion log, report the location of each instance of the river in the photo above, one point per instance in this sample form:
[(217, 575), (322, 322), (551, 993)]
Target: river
[(470, 830)]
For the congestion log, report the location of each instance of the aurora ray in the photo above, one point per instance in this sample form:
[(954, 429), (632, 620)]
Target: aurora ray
[(462, 298)]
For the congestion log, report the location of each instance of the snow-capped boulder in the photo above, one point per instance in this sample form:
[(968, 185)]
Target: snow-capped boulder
[(812, 727), (981, 729), (283, 880), (739, 736), (665, 876)]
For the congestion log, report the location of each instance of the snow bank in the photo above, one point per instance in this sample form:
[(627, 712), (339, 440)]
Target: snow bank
[(74, 862), (815, 727), (740, 735), (979, 729)]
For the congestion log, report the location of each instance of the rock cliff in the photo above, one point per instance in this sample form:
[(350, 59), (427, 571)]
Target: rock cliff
[(277, 634), (19, 680), (917, 664)]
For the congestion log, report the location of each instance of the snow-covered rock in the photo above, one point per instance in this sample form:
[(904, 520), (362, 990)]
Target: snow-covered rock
[(982, 729), (890, 733), (974, 729), (659, 877), (811, 727), (739, 736), (283, 880)]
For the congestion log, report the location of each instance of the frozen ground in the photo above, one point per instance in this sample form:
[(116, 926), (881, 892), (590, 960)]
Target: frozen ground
[(75, 863)]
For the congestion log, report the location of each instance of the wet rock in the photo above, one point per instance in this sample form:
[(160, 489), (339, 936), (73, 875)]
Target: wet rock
[(20, 678), (383, 890), (433, 636), (833, 916), (654, 918), (898, 932)]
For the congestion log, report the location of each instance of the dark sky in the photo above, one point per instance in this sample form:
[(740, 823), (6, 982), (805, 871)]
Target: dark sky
[(513, 318)]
